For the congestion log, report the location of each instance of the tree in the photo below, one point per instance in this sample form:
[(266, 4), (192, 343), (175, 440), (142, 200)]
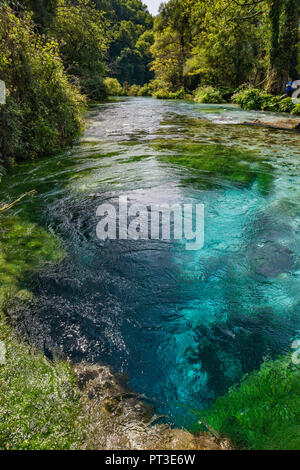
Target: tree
[(173, 35), (82, 32), (284, 24), (43, 110)]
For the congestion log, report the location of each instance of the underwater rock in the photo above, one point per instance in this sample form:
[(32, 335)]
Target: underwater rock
[(282, 124), (117, 419), (271, 259)]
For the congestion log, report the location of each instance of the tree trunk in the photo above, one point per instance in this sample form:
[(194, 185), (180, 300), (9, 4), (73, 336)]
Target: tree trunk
[(284, 18), (275, 72)]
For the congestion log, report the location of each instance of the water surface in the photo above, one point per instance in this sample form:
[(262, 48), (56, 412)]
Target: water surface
[(183, 325)]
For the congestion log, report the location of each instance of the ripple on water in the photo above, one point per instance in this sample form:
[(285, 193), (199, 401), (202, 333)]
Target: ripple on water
[(184, 326)]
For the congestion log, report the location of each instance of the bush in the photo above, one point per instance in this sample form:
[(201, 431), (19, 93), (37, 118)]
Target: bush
[(113, 87), (270, 102), (93, 86), (208, 95), (134, 90), (10, 130), (287, 105), (263, 413), (250, 98), (43, 110), (164, 93), (296, 110), (145, 90)]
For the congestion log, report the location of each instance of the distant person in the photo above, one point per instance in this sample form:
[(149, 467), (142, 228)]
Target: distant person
[(290, 88)]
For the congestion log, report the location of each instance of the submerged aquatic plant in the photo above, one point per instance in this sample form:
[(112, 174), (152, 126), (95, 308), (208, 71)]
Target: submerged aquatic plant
[(39, 399), (263, 412), (218, 161)]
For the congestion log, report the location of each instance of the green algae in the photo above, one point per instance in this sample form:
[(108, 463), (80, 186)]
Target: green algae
[(39, 399), (24, 248), (263, 412), (216, 162)]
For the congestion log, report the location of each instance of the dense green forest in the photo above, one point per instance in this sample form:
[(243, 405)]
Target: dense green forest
[(54, 55)]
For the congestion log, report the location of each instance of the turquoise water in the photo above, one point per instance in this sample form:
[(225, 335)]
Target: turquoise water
[(183, 325)]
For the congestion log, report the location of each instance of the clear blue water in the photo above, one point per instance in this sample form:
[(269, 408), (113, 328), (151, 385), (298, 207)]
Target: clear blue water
[(183, 325)]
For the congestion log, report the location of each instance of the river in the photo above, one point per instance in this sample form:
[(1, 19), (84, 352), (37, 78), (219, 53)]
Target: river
[(184, 326)]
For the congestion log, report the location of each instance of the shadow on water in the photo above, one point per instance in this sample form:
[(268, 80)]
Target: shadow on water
[(183, 325)]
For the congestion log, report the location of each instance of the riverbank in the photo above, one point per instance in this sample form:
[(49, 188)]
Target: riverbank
[(54, 405)]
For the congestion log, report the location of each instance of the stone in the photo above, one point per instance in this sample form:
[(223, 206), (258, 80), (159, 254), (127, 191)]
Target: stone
[(115, 418)]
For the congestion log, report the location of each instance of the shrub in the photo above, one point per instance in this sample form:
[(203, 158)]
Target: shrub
[(270, 103), (93, 86), (296, 110), (263, 413), (134, 90), (113, 87), (145, 90), (10, 130), (178, 95), (164, 93), (43, 110), (255, 99), (250, 98), (154, 85), (208, 95), (287, 105)]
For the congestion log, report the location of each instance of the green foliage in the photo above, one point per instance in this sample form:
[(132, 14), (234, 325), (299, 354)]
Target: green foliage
[(81, 31), (205, 43), (171, 48), (145, 90), (113, 87), (131, 38), (164, 93), (10, 130), (263, 413), (296, 110), (43, 113), (251, 98), (224, 43), (43, 11), (284, 41), (39, 399), (286, 106), (134, 90), (208, 95)]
